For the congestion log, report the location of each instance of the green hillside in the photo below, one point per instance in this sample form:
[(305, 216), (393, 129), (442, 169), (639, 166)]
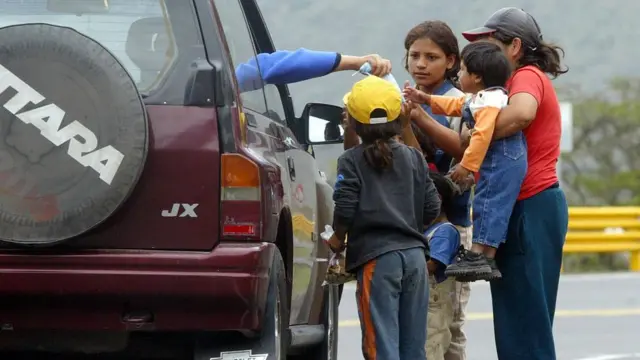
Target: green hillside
[(600, 39)]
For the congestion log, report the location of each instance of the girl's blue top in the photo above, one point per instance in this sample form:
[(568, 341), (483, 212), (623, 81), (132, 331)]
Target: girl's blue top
[(461, 209)]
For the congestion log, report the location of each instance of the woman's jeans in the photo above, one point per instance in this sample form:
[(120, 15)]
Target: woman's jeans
[(524, 300)]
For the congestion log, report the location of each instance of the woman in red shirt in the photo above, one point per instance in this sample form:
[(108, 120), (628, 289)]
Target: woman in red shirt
[(524, 300)]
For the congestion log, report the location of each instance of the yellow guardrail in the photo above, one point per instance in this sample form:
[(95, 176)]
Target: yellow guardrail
[(605, 230), (591, 230)]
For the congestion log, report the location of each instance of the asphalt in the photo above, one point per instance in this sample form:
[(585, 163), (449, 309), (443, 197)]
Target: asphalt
[(598, 318)]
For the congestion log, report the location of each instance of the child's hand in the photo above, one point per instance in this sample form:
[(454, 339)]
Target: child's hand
[(345, 119), (460, 175), (467, 183), (419, 97), (407, 110), (335, 244)]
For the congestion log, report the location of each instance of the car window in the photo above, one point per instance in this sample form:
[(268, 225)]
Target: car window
[(243, 53), (140, 33), (274, 103)]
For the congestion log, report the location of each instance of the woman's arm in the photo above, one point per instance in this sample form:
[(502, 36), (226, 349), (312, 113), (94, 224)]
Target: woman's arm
[(287, 67), (525, 95), (517, 116), (379, 65), (446, 139)]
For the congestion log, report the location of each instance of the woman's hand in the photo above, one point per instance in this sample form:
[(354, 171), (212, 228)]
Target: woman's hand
[(379, 65)]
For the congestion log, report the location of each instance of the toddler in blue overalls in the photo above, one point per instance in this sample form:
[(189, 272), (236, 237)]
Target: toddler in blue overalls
[(501, 164)]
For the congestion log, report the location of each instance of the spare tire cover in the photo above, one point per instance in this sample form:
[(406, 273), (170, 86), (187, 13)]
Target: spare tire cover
[(73, 134)]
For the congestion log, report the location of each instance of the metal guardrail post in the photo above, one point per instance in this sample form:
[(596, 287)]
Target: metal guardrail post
[(634, 261)]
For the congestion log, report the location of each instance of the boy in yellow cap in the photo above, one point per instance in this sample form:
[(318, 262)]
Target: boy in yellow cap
[(383, 196)]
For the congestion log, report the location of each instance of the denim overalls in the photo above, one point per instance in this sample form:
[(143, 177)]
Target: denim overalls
[(501, 176)]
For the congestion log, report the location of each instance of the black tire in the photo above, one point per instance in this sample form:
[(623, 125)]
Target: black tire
[(328, 348), (274, 333), (47, 194), (275, 329)]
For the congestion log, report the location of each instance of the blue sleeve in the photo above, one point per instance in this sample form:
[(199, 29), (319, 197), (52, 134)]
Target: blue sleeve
[(444, 244), (285, 67)]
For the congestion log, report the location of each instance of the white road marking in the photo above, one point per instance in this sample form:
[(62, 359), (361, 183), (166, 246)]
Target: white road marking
[(612, 357), (568, 278)]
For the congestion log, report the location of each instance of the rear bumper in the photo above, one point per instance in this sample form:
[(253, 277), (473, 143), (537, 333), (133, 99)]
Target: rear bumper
[(224, 289)]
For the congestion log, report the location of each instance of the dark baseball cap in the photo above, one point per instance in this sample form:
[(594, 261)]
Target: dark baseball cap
[(510, 21)]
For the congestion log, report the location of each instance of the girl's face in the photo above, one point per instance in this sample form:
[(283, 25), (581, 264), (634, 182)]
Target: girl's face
[(427, 63), (469, 83)]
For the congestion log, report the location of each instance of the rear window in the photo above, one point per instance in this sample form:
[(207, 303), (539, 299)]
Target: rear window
[(155, 40)]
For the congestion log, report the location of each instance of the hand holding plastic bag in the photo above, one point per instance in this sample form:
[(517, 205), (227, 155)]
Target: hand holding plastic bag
[(366, 70), (336, 274)]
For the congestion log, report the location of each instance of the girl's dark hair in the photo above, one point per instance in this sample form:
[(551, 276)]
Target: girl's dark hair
[(376, 140), (441, 34), (445, 190), (487, 60), (426, 143), (545, 56)]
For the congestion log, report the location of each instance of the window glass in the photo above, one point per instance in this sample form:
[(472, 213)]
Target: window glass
[(138, 32), (243, 54), (274, 103)]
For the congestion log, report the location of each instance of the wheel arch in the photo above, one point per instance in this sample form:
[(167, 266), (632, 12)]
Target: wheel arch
[(284, 243)]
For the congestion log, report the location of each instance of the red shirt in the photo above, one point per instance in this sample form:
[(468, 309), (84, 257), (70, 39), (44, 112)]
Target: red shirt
[(543, 134)]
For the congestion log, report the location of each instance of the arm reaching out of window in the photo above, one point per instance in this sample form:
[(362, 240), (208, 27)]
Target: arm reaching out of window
[(287, 67)]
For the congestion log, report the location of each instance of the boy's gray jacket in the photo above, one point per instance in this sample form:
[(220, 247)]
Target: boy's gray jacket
[(384, 211)]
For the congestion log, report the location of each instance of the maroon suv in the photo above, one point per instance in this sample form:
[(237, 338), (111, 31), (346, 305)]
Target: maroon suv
[(147, 206)]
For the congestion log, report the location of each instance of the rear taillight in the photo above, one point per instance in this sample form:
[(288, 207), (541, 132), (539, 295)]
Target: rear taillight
[(240, 194)]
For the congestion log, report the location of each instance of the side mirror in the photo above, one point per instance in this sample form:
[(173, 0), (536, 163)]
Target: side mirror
[(322, 124)]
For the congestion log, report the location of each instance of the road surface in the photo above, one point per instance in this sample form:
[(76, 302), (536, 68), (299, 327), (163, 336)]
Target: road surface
[(598, 318)]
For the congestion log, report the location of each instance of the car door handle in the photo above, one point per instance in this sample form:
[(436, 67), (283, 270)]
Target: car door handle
[(292, 168)]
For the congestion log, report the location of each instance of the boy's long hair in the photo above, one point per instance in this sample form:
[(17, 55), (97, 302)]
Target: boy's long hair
[(445, 191), (376, 140), (426, 143)]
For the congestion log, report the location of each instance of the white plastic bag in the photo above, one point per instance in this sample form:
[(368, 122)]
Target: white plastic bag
[(366, 70)]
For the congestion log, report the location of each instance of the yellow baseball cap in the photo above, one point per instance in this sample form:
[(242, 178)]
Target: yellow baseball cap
[(373, 93)]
